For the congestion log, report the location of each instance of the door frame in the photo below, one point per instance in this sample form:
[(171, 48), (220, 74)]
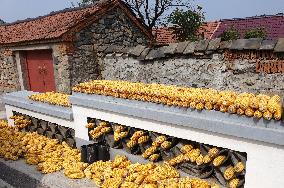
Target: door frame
[(22, 68)]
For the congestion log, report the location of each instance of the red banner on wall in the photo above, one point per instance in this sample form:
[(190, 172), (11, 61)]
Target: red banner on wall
[(270, 66)]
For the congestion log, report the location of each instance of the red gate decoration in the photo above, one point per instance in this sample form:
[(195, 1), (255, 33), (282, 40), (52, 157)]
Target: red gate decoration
[(266, 61), (270, 66)]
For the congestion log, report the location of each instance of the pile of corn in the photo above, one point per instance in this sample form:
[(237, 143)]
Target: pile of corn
[(98, 131), (122, 173), (50, 156), (248, 104), (47, 154), (21, 122), (161, 141), (52, 98)]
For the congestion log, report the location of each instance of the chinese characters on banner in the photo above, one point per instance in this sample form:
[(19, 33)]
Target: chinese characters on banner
[(270, 66), (266, 62)]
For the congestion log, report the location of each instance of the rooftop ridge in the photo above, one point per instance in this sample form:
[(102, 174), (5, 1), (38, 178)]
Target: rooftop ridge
[(255, 17), (56, 12)]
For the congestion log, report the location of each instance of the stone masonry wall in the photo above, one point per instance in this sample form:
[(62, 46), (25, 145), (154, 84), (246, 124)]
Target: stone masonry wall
[(62, 56), (8, 72), (215, 72), (114, 28)]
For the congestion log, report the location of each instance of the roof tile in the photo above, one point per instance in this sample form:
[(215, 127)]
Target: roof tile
[(47, 27)]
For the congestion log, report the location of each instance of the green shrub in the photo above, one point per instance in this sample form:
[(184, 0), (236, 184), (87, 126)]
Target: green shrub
[(255, 33), (230, 34)]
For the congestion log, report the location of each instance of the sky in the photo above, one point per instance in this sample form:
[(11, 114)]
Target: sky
[(12, 10)]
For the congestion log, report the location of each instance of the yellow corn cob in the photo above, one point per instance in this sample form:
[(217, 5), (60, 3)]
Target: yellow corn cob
[(219, 160)]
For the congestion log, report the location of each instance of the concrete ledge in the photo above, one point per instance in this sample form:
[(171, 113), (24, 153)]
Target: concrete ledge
[(17, 178), (213, 121), (20, 100)]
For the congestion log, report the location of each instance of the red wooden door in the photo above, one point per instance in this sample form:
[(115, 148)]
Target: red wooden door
[(40, 70)]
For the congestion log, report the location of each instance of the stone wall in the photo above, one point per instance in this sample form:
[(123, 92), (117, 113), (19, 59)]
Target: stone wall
[(62, 57), (244, 65), (215, 72), (114, 28), (8, 72)]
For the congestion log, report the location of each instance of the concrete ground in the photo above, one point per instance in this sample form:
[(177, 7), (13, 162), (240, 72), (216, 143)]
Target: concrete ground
[(17, 174), (2, 110)]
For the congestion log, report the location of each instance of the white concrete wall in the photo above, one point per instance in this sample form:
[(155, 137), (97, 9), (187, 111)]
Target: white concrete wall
[(265, 162), (58, 121)]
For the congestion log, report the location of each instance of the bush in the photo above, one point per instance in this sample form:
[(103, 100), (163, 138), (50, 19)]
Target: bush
[(255, 33), (230, 34)]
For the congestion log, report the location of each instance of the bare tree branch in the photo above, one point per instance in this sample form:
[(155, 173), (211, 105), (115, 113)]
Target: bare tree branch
[(151, 12)]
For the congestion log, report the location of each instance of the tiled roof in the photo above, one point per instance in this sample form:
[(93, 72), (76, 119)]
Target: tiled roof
[(55, 25), (208, 29), (165, 35), (273, 25)]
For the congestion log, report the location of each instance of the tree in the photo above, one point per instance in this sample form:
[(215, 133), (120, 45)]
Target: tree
[(189, 22), (1, 22), (255, 33), (230, 34), (149, 11)]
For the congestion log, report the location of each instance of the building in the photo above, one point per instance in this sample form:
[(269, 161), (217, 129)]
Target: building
[(56, 51), (272, 24)]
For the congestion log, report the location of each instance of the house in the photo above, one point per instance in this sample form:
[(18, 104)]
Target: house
[(272, 24), (56, 51)]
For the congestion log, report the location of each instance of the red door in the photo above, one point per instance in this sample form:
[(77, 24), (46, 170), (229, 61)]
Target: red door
[(40, 70)]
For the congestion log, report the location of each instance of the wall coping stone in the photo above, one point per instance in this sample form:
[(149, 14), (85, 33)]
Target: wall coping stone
[(213, 121), (201, 45), (246, 44), (155, 54), (20, 99), (267, 45), (181, 47), (197, 48), (171, 49), (279, 46), (225, 45), (137, 50), (214, 44), (144, 54), (190, 48)]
